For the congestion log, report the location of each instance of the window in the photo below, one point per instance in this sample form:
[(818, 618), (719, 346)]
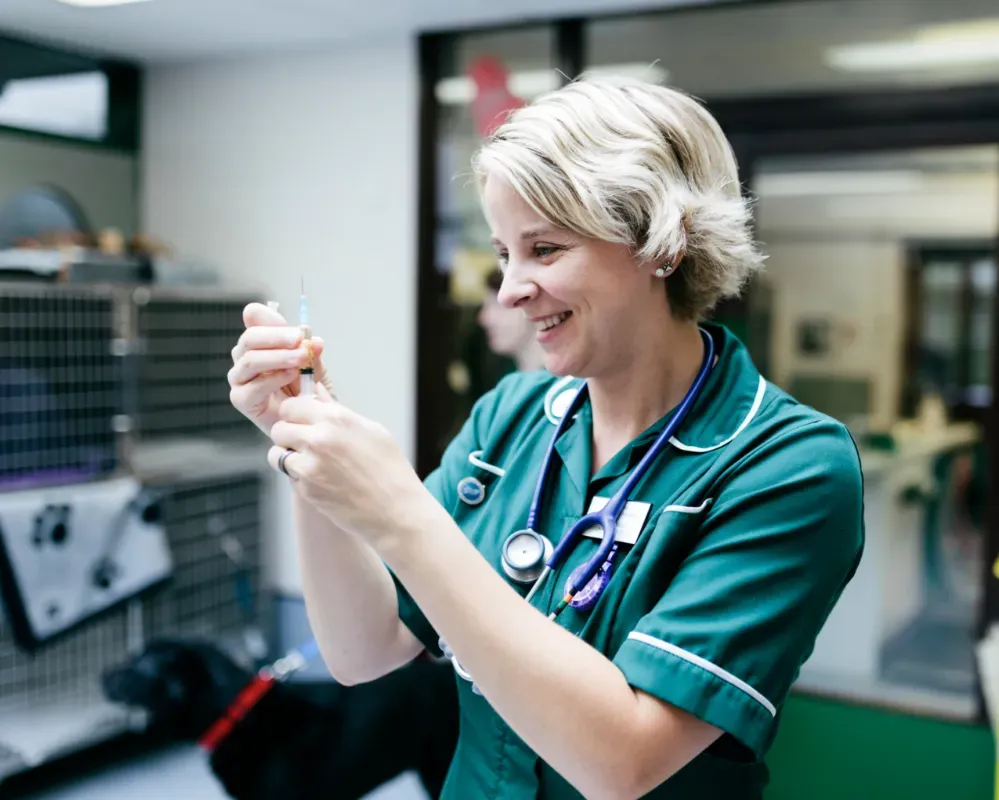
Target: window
[(65, 105)]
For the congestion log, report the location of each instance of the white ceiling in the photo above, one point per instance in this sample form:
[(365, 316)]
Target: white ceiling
[(173, 30)]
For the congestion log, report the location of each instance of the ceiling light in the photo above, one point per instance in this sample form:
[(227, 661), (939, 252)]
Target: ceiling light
[(949, 45), (836, 182), (528, 84), (99, 3)]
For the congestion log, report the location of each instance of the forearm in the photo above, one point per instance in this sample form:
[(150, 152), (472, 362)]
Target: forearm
[(566, 700), (350, 600)]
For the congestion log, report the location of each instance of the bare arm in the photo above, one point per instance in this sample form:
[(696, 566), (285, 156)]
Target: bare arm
[(350, 600), (350, 597)]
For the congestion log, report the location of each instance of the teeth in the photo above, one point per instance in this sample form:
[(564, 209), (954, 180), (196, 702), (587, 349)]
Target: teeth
[(550, 322)]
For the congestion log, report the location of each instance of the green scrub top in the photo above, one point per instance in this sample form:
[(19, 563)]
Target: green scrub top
[(755, 526)]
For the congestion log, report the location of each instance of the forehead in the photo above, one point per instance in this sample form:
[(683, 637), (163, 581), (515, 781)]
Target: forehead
[(505, 210)]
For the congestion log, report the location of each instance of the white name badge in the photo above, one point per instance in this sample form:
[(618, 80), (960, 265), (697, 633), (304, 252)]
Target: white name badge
[(629, 524)]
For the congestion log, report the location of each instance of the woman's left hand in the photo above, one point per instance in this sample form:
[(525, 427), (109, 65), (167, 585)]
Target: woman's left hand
[(347, 466)]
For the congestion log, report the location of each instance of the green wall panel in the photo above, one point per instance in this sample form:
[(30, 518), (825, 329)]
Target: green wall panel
[(828, 750)]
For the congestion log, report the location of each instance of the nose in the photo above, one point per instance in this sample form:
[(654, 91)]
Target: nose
[(517, 287)]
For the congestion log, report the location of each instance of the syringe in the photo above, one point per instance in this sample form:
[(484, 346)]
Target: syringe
[(306, 374)]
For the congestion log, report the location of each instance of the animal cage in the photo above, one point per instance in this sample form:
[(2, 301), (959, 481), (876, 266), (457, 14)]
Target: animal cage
[(94, 379), (51, 703), (60, 384), (184, 341), (86, 372)]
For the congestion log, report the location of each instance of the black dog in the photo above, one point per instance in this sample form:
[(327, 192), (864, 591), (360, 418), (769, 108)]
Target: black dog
[(301, 740)]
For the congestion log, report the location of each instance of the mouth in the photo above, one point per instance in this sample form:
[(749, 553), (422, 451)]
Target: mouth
[(546, 324)]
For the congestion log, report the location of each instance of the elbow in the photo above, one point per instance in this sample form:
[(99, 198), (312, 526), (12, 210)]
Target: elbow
[(351, 669), (344, 676), (630, 778), (348, 673), (617, 784)]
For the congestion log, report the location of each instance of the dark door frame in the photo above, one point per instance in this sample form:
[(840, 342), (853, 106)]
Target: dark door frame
[(918, 253)]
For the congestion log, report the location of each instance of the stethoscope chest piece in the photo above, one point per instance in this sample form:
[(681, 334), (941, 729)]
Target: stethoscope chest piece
[(471, 491), (524, 555)]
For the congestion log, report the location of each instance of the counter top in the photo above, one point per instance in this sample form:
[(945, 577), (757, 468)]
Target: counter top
[(915, 445)]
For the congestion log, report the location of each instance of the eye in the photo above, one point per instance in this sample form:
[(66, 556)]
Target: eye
[(502, 256), (545, 250)]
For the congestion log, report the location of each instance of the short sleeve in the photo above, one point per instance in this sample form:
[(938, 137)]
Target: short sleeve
[(442, 484), (778, 546)]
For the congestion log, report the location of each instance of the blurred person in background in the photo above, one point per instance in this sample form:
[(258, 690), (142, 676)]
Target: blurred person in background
[(508, 332)]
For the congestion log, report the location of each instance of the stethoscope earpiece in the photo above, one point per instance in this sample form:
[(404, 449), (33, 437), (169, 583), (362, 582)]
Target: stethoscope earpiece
[(524, 555)]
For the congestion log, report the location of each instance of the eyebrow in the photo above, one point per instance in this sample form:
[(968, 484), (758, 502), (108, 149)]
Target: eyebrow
[(528, 234)]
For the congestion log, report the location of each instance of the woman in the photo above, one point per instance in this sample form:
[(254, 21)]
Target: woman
[(618, 222), (508, 331)]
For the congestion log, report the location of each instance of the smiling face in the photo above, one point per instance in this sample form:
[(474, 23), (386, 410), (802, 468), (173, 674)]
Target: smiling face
[(591, 302)]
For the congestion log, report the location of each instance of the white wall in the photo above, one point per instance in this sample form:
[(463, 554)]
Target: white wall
[(276, 167), (859, 285)]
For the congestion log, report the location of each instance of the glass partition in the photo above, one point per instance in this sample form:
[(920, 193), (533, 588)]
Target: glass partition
[(882, 275)]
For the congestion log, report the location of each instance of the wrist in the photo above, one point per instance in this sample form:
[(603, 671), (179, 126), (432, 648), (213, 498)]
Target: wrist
[(412, 536)]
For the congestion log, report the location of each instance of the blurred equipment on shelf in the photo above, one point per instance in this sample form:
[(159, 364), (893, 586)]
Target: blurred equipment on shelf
[(45, 237), (69, 553), (51, 701)]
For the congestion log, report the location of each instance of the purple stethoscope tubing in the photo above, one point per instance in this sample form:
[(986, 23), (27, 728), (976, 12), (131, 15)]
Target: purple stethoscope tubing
[(606, 518)]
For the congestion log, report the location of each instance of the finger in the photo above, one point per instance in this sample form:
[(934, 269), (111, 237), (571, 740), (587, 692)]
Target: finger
[(259, 314), (293, 462), (292, 435), (261, 337), (304, 410), (322, 374), (257, 362), (323, 393), (253, 395)]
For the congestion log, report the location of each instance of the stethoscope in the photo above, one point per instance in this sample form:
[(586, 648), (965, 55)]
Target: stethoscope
[(529, 557)]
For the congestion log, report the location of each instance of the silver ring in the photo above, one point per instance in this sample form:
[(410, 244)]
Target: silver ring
[(281, 459)]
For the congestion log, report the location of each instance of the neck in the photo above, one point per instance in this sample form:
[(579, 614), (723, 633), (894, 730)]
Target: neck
[(640, 391)]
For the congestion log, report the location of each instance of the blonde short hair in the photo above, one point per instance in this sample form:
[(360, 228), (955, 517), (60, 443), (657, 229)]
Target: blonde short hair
[(626, 161)]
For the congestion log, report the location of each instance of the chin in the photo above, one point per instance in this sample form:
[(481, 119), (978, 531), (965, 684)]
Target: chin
[(561, 367)]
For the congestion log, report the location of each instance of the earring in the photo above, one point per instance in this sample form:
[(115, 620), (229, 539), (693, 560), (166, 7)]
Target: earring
[(664, 270)]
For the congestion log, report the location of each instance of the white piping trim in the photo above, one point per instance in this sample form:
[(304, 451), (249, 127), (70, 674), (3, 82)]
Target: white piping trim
[(688, 509), (474, 458), (714, 669), (552, 393), (760, 391)]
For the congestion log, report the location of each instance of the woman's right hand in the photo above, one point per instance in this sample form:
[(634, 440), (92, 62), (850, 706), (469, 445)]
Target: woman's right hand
[(266, 362)]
